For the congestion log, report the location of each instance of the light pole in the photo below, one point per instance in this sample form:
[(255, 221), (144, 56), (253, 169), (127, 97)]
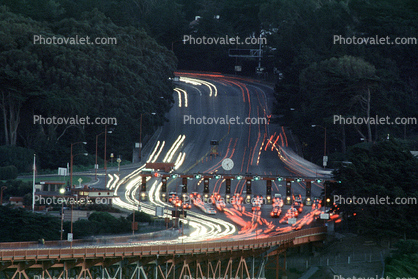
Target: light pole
[(1, 197), (105, 161), (71, 162), (140, 133), (62, 192), (324, 162), (96, 165), (259, 52), (133, 222), (71, 179), (133, 214), (325, 159)]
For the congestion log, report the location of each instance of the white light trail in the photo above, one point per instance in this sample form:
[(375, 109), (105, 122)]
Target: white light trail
[(158, 153), (176, 145), (193, 81), (180, 160), (179, 96), (153, 152), (186, 99)]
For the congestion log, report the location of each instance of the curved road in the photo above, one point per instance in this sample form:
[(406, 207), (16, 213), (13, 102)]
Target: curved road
[(205, 103)]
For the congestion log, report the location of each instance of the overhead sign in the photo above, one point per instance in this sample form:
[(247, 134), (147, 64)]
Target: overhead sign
[(62, 171), (159, 211), (234, 52), (291, 221), (324, 161), (324, 216)]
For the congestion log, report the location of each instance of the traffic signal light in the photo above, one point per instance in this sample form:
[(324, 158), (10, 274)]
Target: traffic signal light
[(143, 183), (183, 214), (197, 176), (268, 188), (175, 213), (228, 186), (288, 188), (249, 187), (164, 184), (256, 178), (328, 188), (308, 188), (206, 185), (288, 199), (184, 189), (329, 201)]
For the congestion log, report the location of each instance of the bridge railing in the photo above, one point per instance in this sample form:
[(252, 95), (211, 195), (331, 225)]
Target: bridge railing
[(90, 241), (172, 249)]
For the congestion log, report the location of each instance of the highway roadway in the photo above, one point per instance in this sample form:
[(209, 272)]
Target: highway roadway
[(213, 107)]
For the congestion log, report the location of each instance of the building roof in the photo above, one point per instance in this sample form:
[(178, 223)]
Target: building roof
[(53, 182), (16, 199)]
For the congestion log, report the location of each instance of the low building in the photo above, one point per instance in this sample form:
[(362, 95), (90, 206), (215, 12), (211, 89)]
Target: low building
[(50, 186), (16, 201)]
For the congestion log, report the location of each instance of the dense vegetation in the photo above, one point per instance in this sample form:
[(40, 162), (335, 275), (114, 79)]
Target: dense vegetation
[(321, 79), (315, 80), (18, 188), (385, 170), (22, 225), (316, 77), (404, 261), (119, 81)]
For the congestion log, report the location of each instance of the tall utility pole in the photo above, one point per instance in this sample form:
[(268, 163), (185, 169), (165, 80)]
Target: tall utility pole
[(105, 164), (325, 158), (33, 182), (140, 133)]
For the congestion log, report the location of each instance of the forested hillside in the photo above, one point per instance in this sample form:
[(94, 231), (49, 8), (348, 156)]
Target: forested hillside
[(119, 80), (316, 76)]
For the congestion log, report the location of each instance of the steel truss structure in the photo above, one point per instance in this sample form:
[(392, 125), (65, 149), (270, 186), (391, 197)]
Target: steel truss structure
[(226, 259)]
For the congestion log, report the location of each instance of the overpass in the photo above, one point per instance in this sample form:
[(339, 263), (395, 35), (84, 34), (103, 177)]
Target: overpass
[(215, 259)]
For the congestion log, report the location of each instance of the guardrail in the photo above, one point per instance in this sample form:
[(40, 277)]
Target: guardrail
[(91, 240), (173, 249)]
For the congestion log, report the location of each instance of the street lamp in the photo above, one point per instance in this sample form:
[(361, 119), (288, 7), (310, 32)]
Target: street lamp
[(1, 196), (325, 159), (140, 133), (71, 162), (105, 161), (133, 214), (62, 192), (84, 154), (71, 179), (97, 137)]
